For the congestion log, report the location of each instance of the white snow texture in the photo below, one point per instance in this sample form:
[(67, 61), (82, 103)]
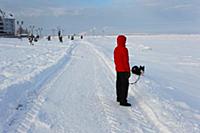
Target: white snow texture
[(69, 87)]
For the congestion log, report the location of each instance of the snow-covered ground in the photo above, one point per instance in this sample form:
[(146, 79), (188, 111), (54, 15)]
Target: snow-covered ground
[(70, 87)]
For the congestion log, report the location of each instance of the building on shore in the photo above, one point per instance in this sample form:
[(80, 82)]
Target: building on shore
[(7, 24)]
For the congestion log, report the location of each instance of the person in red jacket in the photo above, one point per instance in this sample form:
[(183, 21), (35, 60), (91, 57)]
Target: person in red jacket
[(122, 68)]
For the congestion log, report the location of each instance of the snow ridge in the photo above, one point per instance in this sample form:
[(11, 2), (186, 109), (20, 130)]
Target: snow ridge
[(149, 112), (22, 119)]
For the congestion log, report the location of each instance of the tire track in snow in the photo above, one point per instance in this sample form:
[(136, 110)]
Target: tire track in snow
[(147, 110), (150, 113), (24, 120), (107, 110), (110, 108)]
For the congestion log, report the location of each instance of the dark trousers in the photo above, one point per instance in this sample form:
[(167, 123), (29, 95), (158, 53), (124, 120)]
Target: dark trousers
[(122, 84)]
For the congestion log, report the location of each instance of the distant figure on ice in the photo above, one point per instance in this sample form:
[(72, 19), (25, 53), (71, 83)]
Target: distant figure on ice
[(30, 38), (36, 39), (49, 38), (59, 33), (60, 38), (122, 68), (72, 37), (81, 36)]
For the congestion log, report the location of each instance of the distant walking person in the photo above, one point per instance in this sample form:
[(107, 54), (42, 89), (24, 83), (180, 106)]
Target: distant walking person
[(30, 38), (49, 38), (59, 33), (61, 39), (122, 68), (60, 36), (72, 37)]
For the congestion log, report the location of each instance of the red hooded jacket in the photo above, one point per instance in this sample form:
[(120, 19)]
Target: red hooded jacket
[(121, 58)]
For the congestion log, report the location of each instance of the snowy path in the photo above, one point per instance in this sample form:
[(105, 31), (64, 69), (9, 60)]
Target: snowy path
[(71, 105), (78, 96)]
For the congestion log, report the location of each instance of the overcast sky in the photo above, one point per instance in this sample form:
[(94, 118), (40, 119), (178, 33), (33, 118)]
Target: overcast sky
[(119, 16)]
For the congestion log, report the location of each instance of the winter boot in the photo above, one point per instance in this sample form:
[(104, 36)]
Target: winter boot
[(125, 104)]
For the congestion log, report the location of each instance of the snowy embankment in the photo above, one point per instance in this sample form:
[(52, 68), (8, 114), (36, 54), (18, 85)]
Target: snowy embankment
[(70, 87), (23, 70)]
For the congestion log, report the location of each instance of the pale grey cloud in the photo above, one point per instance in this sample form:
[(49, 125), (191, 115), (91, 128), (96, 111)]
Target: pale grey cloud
[(59, 11), (47, 11), (121, 15), (181, 6)]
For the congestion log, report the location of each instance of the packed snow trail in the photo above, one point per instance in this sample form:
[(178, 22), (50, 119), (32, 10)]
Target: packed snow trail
[(71, 104), (82, 100)]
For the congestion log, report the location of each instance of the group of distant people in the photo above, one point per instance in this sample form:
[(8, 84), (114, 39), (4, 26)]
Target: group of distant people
[(72, 37), (33, 38), (60, 37)]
